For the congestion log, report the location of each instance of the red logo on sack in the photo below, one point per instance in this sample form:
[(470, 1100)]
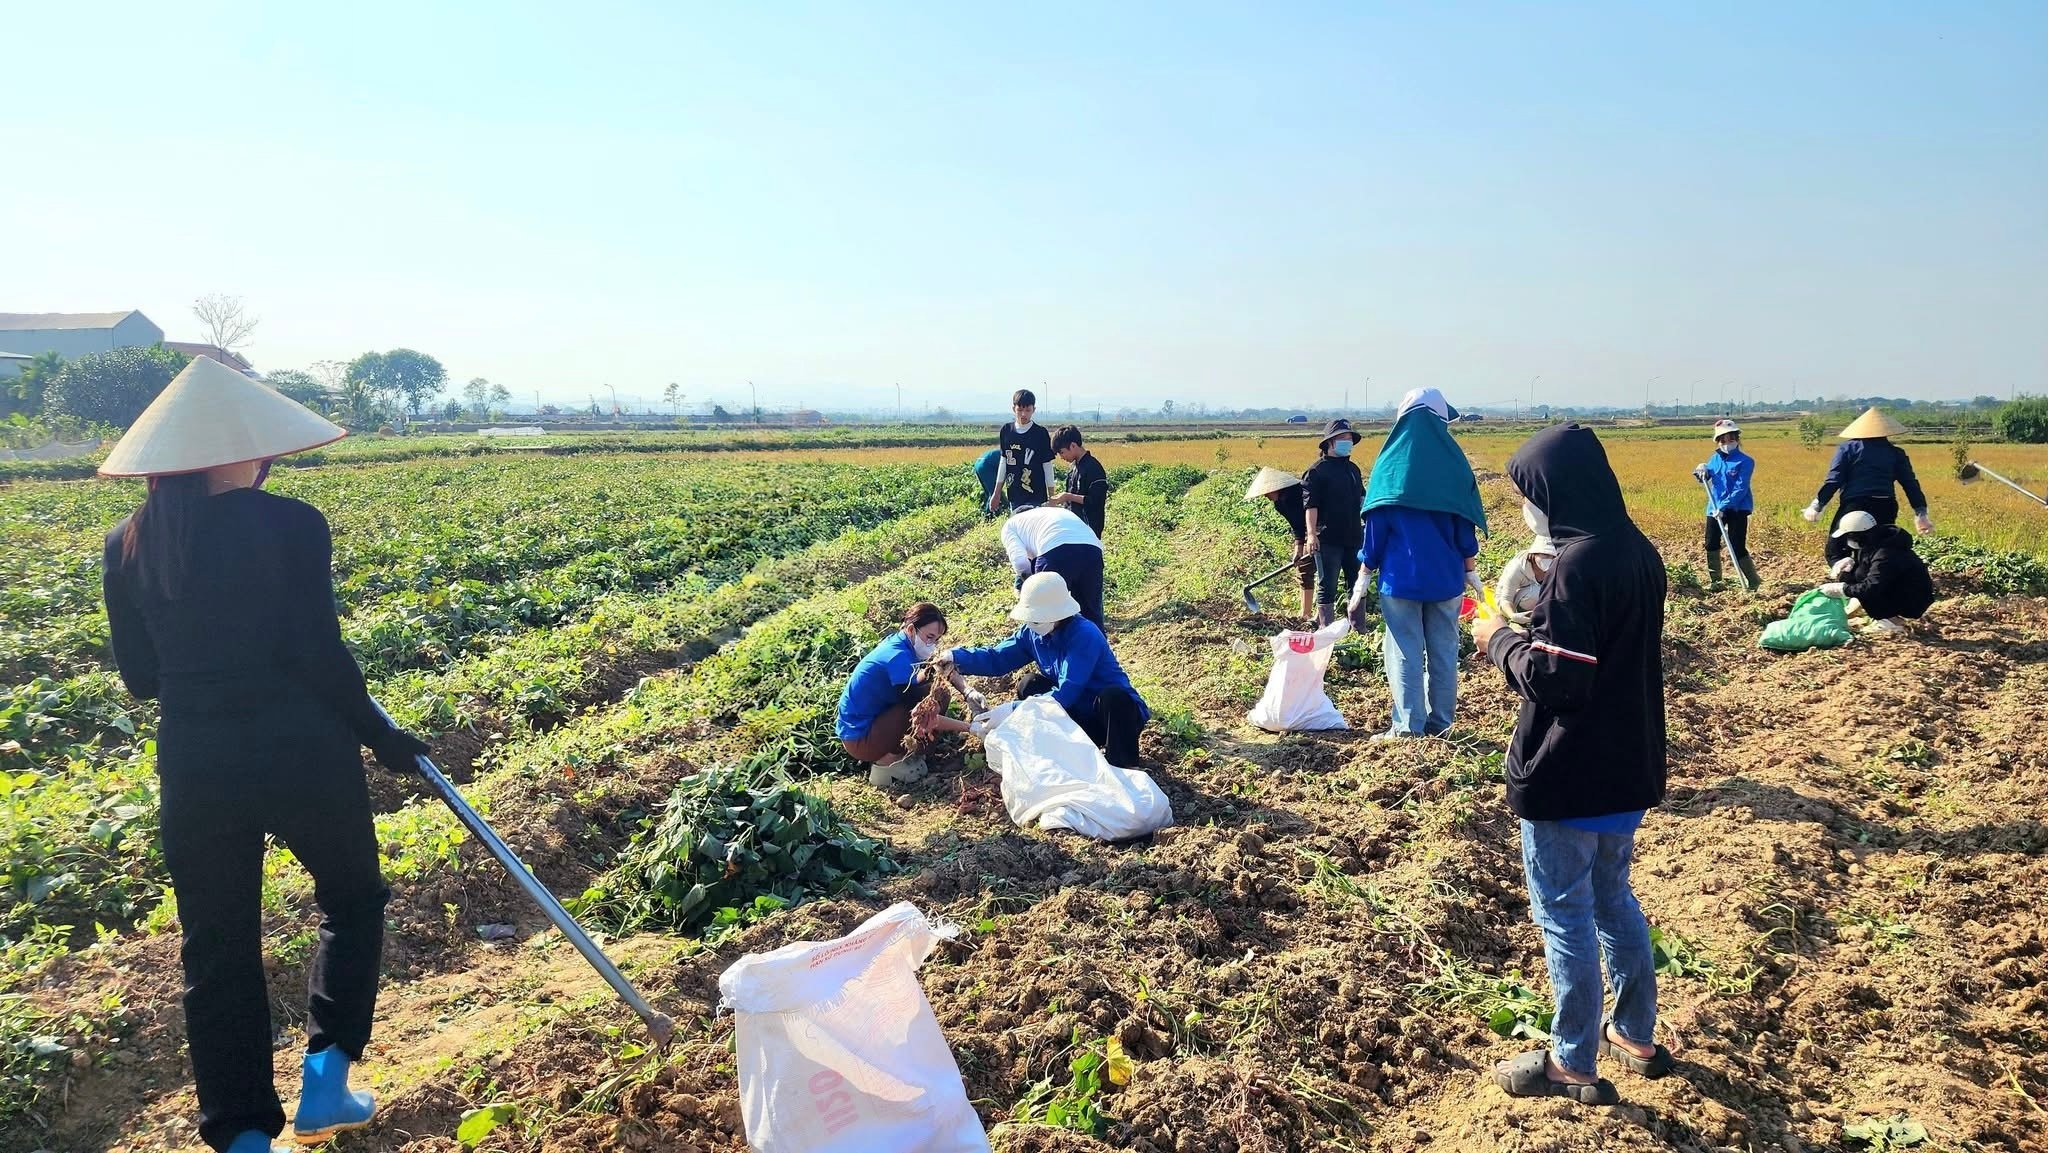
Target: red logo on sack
[(836, 1109), (1301, 642)]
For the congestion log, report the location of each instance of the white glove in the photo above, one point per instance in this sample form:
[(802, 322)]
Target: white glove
[(1811, 512), (1835, 589), (1842, 567), (1478, 587), (975, 701), (1358, 589), (977, 728), (1700, 473), (1922, 524)]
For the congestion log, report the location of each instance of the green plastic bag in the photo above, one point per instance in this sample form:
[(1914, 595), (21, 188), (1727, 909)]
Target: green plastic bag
[(1817, 621)]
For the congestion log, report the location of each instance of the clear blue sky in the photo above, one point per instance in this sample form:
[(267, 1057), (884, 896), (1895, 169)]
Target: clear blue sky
[(1221, 203)]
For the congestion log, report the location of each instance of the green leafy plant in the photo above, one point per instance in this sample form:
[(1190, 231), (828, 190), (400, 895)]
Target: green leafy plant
[(1882, 1136), (480, 1123), (1075, 1105), (1812, 430)]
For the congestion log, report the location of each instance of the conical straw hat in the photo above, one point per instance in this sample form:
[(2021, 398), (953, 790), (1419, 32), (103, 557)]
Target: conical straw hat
[(1269, 480), (211, 415), (1873, 422)]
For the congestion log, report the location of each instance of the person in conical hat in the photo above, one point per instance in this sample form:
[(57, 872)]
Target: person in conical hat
[(1071, 661), (1283, 489), (1866, 466), (220, 606)]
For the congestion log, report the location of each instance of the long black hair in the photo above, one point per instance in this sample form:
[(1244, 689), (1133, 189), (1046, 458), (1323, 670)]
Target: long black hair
[(158, 541)]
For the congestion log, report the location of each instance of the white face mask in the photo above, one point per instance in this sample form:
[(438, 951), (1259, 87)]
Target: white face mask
[(924, 649), (1043, 628), (1729, 448), (1537, 520), (1854, 543)]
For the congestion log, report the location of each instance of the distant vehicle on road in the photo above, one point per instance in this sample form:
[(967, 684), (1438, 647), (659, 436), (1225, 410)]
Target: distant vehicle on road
[(1297, 418)]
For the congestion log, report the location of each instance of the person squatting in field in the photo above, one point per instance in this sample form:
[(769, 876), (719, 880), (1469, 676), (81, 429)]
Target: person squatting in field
[(220, 605), (1333, 502), (1024, 471), (1071, 660), (1521, 580), (1727, 475), (1087, 492), (1050, 539), (1283, 490), (1881, 576), (1586, 760), (874, 708), (1864, 469), (1422, 520)]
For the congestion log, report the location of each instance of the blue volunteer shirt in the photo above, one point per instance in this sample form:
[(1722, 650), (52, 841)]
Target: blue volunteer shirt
[(1728, 476), (1420, 555), (876, 686), (1075, 655), (1613, 824)]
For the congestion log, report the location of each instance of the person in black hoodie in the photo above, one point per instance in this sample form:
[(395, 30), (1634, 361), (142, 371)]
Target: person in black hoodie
[(1587, 760), (1882, 574)]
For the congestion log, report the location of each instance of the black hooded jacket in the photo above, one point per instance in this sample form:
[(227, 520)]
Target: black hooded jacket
[(1886, 575), (1590, 738)]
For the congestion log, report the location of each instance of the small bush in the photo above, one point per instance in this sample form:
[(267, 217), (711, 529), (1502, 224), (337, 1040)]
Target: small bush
[(2024, 421), (1812, 430), (2000, 573)]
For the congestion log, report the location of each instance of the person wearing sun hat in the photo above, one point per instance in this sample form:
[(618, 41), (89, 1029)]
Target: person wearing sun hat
[(1283, 490), (1882, 575), (1072, 660), (1864, 469), (1730, 500), (220, 606), (1333, 502)]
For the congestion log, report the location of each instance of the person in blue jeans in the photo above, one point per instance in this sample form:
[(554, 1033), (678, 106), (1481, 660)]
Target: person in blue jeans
[(1586, 762), (1422, 520)]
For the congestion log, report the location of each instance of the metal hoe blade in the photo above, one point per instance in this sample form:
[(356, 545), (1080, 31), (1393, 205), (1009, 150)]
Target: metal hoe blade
[(657, 1023), (1251, 603), (1970, 472)]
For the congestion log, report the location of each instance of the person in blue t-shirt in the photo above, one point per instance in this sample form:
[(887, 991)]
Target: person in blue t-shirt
[(1072, 662), (1422, 516), (1730, 500), (874, 708)]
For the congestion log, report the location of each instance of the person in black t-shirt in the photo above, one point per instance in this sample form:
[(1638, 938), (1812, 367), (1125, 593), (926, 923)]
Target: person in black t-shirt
[(1087, 484), (1024, 477), (1333, 497)]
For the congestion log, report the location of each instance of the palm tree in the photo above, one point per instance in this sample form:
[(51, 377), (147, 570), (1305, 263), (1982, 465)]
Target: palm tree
[(35, 377)]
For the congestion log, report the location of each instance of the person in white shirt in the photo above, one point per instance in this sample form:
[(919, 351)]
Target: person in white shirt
[(1051, 539)]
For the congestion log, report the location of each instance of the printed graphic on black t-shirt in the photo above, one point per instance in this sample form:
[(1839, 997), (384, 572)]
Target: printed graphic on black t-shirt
[(1088, 481), (1025, 453)]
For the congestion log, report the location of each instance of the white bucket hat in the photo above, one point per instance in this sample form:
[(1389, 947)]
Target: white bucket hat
[(1270, 480), (210, 415), (1855, 522), (1043, 599), (1873, 422), (1724, 427)]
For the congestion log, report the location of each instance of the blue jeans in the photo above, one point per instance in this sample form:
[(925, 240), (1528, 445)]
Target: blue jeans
[(1421, 648), (1579, 895)]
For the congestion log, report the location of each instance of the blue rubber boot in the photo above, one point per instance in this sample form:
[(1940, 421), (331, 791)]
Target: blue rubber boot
[(326, 1104), (255, 1141)]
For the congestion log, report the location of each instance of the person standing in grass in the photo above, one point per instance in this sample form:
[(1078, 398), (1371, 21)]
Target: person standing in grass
[(1422, 525), (1727, 474), (1087, 488), (1283, 490), (1863, 471), (1024, 474), (220, 605), (1333, 502), (1585, 763), (874, 708)]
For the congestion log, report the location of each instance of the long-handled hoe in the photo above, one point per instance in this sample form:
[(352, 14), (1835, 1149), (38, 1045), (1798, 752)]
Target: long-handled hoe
[(1251, 603), (657, 1023), (1972, 470)]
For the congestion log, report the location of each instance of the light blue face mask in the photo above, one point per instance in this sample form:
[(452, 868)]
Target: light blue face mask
[(1341, 448)]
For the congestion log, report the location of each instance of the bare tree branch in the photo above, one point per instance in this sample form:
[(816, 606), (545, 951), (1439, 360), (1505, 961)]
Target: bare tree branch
[(228, 324)]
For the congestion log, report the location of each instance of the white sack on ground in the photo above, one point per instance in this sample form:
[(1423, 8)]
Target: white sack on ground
[(1054, 775), (1294, 699), (838, 1050)]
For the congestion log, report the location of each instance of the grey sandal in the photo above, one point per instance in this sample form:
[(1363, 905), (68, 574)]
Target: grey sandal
[(1653, 1066), (1526, 1076)]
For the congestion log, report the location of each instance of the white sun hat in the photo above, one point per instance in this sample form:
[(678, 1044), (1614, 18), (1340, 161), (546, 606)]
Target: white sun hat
[(1724, 427), (1428, 398), (210, 415), (1270, 480), (1043, 599), (1874, 422), (1858, 521)]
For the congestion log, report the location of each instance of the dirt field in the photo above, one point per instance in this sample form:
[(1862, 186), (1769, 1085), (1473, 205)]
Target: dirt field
[(1849, 868)]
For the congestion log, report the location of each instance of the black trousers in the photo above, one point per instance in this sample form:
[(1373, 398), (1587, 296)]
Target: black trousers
[(227, 783), (1336, 572), (1737, 521), (1112, 723), (1080, 565), (1884, 508)]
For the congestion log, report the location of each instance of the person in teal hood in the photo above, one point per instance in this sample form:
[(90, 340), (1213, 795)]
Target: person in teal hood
[(1422, 520)]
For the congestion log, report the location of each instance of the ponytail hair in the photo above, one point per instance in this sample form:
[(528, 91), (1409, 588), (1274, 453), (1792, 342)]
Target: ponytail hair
[(158, 540), (921, 614)]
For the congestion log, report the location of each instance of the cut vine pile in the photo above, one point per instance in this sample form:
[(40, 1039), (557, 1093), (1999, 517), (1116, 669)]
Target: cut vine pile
[(1328, 952)]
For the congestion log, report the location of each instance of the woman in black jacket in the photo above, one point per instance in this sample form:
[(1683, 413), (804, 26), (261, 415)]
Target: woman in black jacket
[(1586, 762), (220, 605), (1881, 575)]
